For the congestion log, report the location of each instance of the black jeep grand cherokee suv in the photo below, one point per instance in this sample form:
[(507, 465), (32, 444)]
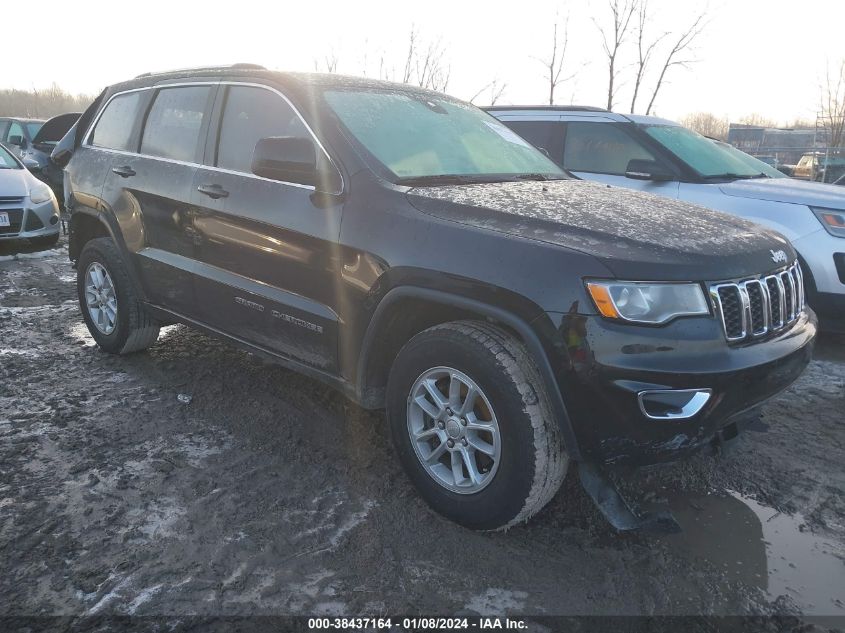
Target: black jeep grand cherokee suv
[(413, 252)]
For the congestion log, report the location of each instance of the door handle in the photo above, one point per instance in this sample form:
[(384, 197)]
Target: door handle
[(124, 172), (213, 191)]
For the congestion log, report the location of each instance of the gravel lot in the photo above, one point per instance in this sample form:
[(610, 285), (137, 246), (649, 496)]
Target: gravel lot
[(268, 493)]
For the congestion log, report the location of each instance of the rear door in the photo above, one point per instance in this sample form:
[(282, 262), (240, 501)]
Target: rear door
[(149, 190), (267, 257)]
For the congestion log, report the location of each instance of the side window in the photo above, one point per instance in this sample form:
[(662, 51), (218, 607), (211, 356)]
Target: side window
[(251, 114), (114, 129), (601, 148), (172, 129), (15, 129), (542, 134)]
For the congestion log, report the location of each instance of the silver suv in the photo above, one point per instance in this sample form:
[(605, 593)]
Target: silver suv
[(662, 157)]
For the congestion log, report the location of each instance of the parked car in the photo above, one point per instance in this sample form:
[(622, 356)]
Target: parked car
[(661, 157), (36, 156), (413, 252), (820, 167), (16, 133), (28, 207)]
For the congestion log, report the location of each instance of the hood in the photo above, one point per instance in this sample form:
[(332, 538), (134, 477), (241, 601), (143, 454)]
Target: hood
[(14, 183), (638, 236), (787, 190), (55, 128)]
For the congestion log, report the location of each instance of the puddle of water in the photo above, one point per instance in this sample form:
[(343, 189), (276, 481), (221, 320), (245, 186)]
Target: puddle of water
[(761, 547)]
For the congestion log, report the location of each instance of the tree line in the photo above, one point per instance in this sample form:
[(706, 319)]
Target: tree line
[(41, 103)]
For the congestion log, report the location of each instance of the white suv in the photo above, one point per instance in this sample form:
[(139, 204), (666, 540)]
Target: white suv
[(665, 158)]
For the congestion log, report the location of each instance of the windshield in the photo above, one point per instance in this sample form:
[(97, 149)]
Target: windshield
[(7, 161), (415, 135), (753, 163), (33, 128), (701, 154)]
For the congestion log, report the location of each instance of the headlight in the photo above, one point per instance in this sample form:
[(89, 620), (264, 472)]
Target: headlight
[(832, 220), (40, 193), (644, 302)]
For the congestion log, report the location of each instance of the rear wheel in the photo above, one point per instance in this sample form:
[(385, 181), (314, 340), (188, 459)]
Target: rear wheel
[(472, 426), (112, 311)]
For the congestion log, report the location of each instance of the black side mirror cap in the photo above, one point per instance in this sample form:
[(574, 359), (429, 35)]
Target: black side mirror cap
[(286, 159), (644, 169), (61, 157), (17, 140)]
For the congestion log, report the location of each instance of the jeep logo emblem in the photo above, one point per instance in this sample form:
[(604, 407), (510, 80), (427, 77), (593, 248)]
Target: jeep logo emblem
[(778, 256)]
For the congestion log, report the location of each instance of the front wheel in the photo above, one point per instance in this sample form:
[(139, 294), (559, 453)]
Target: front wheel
[(115, 316), (472, 426)]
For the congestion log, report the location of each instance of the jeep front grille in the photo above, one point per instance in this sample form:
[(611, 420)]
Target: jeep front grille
[(755, 307)]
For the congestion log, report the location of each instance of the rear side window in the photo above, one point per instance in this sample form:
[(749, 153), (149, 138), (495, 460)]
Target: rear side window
[(542, 134), (600, 148), (173, 125), (251, 114), (114, 129)]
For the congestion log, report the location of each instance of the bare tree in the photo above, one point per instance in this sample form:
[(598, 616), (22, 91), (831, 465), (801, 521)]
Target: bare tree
[(645, 50), (613, 38), (757, 120), (707, 124), (554, 63), (426, 65), (832, 112), (41, 103), (328, 64), (677, 55), (496, 90)]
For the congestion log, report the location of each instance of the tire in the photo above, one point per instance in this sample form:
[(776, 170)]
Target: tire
[(531, 462), (44, 243), (132, 328)]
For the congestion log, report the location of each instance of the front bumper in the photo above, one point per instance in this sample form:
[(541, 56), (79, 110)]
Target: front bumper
[(603, 368), (30, 220)]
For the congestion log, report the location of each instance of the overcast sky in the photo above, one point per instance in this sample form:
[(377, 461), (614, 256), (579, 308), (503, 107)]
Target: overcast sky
[(756, 56)]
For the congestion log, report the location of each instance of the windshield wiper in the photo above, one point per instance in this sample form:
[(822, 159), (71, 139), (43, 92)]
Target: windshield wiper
[(532, 177), (447, 179), (732, 176)]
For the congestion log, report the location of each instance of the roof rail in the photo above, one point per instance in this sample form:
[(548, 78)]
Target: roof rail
[(572, 108), (242, 66)]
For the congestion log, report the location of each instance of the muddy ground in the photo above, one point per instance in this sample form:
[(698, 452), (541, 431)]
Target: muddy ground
[(269, 493)]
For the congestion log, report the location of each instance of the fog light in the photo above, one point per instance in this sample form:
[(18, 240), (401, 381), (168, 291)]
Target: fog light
[(673, 404), (54, 219), (32, 222)]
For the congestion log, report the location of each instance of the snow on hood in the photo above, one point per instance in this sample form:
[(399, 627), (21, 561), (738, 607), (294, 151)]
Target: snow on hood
[(637, 235), (14, 183), (787, 190)]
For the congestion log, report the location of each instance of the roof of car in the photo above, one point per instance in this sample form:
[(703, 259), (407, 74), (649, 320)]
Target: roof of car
[(640, 119), (21, 119), (323, 80), (568, 108)]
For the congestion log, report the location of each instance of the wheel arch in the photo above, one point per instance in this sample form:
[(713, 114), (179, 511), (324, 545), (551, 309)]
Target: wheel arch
[(87, 224), (399, 316)]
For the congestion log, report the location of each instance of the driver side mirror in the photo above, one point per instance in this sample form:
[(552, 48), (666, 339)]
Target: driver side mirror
[(17, 140), (286, 159), (644, 169)]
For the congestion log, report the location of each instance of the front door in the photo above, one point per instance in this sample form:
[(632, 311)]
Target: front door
[(267, 257), (602, 151)]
